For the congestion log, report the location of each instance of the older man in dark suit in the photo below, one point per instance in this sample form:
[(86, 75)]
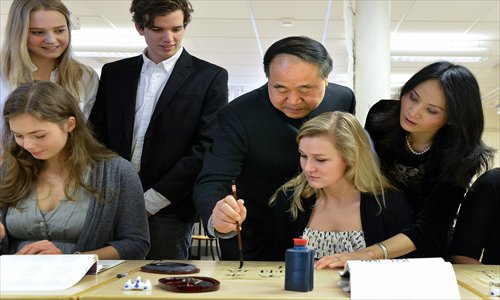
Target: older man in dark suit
[(158, 110), (256, 144)]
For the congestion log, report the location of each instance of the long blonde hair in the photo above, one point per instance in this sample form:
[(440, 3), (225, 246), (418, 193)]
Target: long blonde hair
[(17, 66), (348, 136), (46, 101)]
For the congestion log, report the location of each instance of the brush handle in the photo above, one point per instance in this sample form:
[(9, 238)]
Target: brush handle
[(240, 246), (238, 233)]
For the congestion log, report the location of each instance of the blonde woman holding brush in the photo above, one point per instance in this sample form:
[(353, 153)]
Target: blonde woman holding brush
[(340, 201)]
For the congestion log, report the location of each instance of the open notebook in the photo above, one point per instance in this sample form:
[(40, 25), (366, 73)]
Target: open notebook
[(48, 272)]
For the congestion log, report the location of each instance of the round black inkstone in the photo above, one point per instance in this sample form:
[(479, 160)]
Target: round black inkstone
[(172, 268)]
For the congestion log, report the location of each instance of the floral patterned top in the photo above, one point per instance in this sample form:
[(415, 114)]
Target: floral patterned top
[(327, 243)]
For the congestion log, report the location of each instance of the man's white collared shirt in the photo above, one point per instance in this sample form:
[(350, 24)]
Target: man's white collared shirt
[(153, 80)]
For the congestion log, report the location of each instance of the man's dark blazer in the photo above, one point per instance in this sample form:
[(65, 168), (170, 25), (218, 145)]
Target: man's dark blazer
[(255, 144), (181, 127)]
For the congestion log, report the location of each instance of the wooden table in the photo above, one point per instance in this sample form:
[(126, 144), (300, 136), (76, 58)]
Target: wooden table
[(87, 284), (476, 278), (257, 280)]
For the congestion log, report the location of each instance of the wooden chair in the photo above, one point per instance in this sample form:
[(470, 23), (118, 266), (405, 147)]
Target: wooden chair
[(202, 238)]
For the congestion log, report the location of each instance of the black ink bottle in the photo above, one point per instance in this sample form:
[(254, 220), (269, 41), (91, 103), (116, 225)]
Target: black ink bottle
[(299, 267)]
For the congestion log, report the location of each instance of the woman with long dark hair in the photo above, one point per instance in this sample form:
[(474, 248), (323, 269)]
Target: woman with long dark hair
[(429, 143)]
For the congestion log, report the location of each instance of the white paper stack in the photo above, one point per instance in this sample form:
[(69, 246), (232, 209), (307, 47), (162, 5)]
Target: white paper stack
[(418, 278), (43, 272)]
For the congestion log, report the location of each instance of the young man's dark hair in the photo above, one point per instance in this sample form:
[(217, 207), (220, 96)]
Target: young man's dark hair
[(145, 12)]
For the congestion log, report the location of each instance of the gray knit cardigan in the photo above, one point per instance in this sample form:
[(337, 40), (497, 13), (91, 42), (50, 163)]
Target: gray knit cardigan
[(119, 219)]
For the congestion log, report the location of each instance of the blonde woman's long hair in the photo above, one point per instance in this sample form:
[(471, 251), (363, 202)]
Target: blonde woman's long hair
[(347, 135), (17, 66), (19, 170)]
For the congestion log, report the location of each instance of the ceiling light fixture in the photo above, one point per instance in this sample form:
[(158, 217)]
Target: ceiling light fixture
[(438, 42), (471, 59), (287, 22), (105, 54), (436, 46)]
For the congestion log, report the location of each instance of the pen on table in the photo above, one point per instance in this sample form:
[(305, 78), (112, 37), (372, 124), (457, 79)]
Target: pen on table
[(120, 275), (240, 247), (495, 291)]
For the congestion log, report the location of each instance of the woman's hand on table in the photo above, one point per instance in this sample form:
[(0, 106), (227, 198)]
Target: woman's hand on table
[(40, 247), (333, 261), (338, 260)]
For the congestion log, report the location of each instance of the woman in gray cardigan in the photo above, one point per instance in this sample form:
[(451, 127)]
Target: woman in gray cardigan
[(62, 191)]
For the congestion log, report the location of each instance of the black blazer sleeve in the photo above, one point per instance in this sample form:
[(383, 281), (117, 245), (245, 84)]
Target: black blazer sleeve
[(379, 225), (477, 223), (182, 174), (112, 116)]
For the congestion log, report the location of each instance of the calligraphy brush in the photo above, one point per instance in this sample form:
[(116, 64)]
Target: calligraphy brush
[(240, 247)]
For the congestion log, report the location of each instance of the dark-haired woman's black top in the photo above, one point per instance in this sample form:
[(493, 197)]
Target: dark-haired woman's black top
[(434, 204), (477, 225)]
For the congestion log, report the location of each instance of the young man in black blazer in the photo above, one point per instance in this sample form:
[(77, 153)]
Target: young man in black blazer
[(158, 110), (256, 144)]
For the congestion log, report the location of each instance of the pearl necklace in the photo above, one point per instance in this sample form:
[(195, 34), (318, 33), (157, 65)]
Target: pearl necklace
[(413, 150)]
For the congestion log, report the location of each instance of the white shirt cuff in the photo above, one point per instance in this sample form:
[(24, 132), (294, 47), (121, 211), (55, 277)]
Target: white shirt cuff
[(211, 230), (155, 201)]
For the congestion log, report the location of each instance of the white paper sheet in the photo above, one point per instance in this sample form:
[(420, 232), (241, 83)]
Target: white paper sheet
[(43, 272), (104, 264), (420, 278)]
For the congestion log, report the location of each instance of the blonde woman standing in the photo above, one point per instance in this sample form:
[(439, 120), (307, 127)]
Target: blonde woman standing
[(340, 201), (37, 46)]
